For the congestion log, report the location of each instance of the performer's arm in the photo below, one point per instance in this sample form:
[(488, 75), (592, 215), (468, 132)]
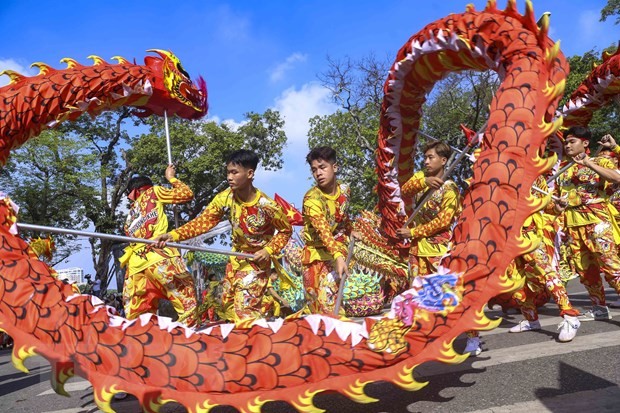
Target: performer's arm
[(415, 184), (443, 220), (605, 171), (313, 209), (207, 219), (178, 194), (608, 142), (285, 231)]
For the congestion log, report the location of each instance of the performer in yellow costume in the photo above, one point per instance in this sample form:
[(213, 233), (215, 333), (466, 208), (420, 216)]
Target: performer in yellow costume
[(589, 219), (259, 227), (541, 274), (611, 151), (432, 227), (155, 273), (326, 231)]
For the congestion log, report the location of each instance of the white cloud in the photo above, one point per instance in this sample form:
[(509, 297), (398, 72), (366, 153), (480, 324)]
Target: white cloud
[(297, 106), (288, 64), (231, 123), (11, 64), (231, 26)]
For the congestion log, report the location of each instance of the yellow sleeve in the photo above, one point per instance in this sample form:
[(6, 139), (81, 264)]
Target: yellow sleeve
[(449, 207), (285, 230), (415, 184), (207, 219), (178, 194), (314, 210), (616, 149)]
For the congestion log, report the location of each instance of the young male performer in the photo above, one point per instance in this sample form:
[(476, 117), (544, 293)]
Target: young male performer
[(540, 274), (432, 227), (611, 151), (154, 273), (589, 220), (432, 231), (259, 227), (326, 231)]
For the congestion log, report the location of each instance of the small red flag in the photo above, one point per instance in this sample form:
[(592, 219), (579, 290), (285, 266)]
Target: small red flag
[(293, 215), (470, 135)]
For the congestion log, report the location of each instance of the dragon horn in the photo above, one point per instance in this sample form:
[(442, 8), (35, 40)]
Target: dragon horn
[(164, 54)]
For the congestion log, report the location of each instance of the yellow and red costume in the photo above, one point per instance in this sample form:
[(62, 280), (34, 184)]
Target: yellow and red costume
[(590, 225), (153, 273), (258, 224), (432, 226), (326, 236), (537, 267)]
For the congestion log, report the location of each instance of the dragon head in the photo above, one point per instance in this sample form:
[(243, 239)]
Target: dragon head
[(173, 90)]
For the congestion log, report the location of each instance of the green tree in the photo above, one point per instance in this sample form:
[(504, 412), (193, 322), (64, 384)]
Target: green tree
[(199, 150), (45, 178), (461, 98), (345, 131), (357, 86), (75, 176), (102, 197), (612, 8)]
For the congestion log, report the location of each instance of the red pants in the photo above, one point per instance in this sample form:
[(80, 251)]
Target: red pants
[(321, 286), (594, 251), (168, 279), (540, 274), (421, 266), (243, 293)]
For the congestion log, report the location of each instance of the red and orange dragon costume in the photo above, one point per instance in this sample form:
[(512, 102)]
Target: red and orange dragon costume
[(292, 360)]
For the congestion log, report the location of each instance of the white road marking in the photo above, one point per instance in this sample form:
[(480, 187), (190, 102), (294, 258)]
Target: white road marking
[(70, 387)]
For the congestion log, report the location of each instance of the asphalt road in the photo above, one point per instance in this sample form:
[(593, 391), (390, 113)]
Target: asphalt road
[(528, 372)]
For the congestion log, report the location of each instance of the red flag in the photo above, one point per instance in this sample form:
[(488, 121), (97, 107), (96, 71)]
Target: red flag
[(469, 135), (294, 216)]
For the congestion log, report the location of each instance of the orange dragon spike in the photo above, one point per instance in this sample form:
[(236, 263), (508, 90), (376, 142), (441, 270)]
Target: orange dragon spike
[(529, 14), (121, 60), (71, 63), (44, 69), (97, 61), (491, 6), (13, 76)]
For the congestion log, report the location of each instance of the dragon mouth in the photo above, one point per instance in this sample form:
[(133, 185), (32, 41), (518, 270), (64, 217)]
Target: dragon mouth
[(190, 96)]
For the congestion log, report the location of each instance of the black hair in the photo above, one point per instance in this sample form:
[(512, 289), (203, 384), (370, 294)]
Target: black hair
[(580, 132), (325, 153), (243, 157), (441, 148), (138, 182)]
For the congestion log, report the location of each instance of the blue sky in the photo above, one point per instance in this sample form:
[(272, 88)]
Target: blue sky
[(254, 55)]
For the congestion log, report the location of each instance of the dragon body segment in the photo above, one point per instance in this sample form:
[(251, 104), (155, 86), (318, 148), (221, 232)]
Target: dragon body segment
[(600, 88), (30, 105), (258, 361)]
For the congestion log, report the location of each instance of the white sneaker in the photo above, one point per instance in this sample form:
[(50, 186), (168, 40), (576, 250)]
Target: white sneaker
[(568, 328), (525, 325), (473, 346), (597, 312)]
